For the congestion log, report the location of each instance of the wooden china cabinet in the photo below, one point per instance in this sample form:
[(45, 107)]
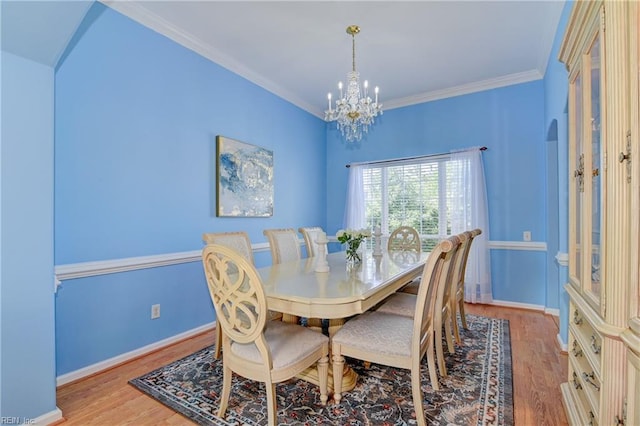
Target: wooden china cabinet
[(600, 49)]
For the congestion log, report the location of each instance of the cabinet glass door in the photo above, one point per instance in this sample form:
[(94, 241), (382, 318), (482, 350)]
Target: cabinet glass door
[(577, 194), (594, 282)]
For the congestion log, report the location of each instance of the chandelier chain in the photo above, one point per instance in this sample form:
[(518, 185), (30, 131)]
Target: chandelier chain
[(353, 52)]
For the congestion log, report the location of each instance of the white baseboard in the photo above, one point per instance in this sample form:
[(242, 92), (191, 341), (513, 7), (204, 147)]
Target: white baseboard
[(519, 305), (552, 311), (47, 418), (548, 311), (128, 356), (561, 343)]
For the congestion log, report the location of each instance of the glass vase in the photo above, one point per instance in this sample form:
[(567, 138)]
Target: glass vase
[(353, 256)]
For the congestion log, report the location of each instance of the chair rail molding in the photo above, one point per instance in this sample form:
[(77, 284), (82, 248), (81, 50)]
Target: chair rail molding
[(562, 259), (518, 245), (103, 267)]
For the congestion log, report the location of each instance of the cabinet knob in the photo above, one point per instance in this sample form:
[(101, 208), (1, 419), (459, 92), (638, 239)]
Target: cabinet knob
[(626, 156), (622, 157)]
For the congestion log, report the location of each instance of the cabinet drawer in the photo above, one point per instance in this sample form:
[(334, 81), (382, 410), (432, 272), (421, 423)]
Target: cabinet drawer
[(586, 387), (580, 399), (588, 338)]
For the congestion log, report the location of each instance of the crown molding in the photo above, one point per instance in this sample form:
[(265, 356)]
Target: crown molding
[(137, 12), (465, 89), (142, 15)]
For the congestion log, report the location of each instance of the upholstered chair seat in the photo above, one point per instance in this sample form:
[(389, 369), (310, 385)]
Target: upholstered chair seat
[(399, 304), (288, 343)]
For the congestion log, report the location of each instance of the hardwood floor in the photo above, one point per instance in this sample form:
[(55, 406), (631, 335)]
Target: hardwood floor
[(538, 369), (538, 364)]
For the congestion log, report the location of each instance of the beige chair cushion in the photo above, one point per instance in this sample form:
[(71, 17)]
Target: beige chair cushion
[(399, 304), (288, 344), (379, 333)]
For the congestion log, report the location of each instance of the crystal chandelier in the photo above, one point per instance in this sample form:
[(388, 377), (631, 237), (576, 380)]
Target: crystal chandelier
[(354, 111)]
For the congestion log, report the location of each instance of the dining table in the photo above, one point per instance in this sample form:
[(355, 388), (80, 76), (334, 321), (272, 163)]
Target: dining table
[(296, 290)]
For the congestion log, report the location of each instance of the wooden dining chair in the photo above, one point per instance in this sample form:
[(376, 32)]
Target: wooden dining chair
[(310, 237), (238, 241), (404, 304), (457, 299), (404, 238), (396, 340), (266, 351), (285, 247), (443, 303), (284, 244)]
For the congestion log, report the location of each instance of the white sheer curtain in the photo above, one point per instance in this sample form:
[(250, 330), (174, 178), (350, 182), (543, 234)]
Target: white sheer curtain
[(468, 207), (354, 213)]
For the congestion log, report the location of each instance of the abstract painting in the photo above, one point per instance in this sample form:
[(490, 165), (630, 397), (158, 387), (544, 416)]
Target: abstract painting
[(245, 179)]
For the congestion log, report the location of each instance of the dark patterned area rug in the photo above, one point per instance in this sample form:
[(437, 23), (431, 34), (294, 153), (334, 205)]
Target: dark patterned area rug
[(477, 390)]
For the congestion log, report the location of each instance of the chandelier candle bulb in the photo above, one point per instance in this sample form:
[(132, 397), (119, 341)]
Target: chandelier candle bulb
[(329, 96)]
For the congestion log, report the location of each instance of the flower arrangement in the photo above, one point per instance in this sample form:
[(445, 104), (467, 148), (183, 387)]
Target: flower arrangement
[(353, 238)]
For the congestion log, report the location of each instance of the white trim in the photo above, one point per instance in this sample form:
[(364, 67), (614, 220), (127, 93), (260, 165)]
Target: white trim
[(47, 418), (465, 89), (128, 356), (552, 311), (103, 267), (562, 259), (518, 245), (508, 304), (563, 346)]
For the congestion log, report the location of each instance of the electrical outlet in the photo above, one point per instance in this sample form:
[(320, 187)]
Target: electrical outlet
[(155, 311), (526, 236)]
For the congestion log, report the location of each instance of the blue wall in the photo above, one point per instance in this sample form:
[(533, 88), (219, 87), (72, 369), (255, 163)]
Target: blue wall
[(555, 114), (27, 345), (509, 121), (136, 121)]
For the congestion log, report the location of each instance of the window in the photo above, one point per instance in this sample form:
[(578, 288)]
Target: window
[(418, 193)]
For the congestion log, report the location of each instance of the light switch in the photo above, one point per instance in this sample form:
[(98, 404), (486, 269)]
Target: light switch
[(526, 235)]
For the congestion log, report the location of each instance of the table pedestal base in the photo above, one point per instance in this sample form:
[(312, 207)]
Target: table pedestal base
[(349, 378)]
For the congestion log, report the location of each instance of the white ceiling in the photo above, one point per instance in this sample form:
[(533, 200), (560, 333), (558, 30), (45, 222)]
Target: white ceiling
[(415, 51)]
